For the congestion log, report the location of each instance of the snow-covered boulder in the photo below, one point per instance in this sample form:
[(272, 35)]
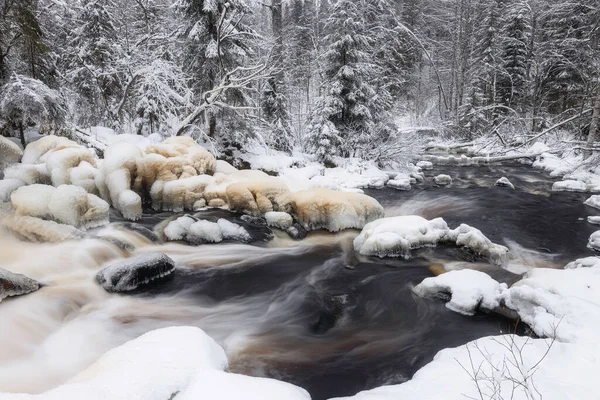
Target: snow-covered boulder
[(334, 210), (569, 186), (469, 290), (474, 240), (296, 231), (257, 197), (594, 241), (442, 180), (504, 182), (12, 284), (593, 201), (131, 273), (60, 163), (400, 182), (397, 236), (425, 165), (66, 204), (196, 231), (278, 219), (224, 167), (10, 153), (591, 219)]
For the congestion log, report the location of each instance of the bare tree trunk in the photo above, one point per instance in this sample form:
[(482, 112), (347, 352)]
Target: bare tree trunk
[(593, 127), (22, 134)]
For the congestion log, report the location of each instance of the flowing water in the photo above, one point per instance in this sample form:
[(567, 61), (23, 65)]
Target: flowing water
[(306, 312)]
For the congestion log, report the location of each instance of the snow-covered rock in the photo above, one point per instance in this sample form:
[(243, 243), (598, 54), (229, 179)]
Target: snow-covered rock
[(37, 230), (504, 182), (442, 180), (400, 182), (203, 231), (280, 220), (334, 210), (397, 236), (594, 241), (10, 153), (12, 284), (469, 290), (66, 204), (258, 197), (593, 201), (37, 152), (569, 186), (425, 165), (131, 273), (594, 220)]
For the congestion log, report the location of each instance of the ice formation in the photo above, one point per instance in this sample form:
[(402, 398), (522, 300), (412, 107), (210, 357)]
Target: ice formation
[(12, 284), (400, 182), (259, 196), (333, 210), (397, 236), (39, 230), (504, 182), (129, 274), (586, 262), (66, 204), (594, 220), (425, 165)]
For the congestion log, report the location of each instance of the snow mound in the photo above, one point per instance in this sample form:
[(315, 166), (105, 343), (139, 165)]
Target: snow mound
[(278, 219), (60, 163), (442, 180), (504, 182), (569, 186), (66, 204), (12, 284), (333, 210), (203, 231), (10, 153), (593, 201), (469, 289), (397, 236), (594, 241), (28, 173), (129, 274)]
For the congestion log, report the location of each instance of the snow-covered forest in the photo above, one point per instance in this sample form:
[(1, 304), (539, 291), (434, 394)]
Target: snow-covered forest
[(299, 199), (329, 77)]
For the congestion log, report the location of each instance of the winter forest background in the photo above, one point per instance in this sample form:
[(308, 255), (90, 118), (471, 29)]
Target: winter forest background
[(360, 78)]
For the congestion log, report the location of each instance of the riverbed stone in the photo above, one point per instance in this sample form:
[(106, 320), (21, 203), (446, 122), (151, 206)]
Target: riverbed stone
[(129, 274), (442, 180), (12, 284)]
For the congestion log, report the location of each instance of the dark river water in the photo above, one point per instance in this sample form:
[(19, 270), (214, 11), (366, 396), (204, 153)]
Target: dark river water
[(303, 313)]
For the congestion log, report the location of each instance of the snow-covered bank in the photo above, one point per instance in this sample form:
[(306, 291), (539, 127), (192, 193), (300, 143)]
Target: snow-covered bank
[(176, 363)]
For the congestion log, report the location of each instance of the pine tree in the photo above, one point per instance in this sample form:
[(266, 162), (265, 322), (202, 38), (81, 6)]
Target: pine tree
[(516, 33), (95, 55), (342, 122)]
